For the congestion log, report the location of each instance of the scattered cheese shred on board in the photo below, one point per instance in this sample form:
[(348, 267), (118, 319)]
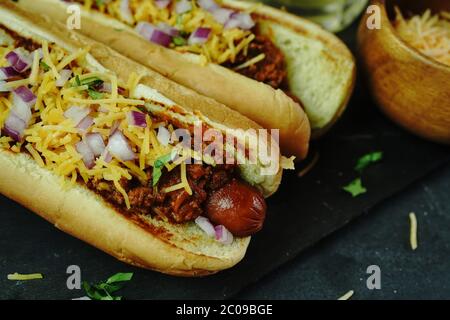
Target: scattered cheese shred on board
[(413, 230), (347, 296), (21, 277)]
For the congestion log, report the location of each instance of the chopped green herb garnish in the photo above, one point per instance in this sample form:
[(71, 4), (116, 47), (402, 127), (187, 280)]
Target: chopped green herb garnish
[(179, 41), (95, 94), (120, 277), (77, 81), (355, 188), (157, 167), (91, 82), (367, 160), (105, 290), (44, 66)]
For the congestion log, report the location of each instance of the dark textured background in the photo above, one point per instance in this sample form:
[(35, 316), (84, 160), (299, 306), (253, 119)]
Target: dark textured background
[(338, 264), (301, 217)]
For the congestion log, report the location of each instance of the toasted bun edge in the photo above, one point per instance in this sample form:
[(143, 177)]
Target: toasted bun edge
[(80, 212)]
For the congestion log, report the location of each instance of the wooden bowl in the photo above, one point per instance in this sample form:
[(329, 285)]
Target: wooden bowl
[(411, 88)]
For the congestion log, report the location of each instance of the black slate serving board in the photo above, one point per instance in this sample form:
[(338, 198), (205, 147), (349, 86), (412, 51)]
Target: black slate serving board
[(303, 212)]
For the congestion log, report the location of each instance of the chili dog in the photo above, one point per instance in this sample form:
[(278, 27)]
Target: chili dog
[(258, 60), (87, 144)]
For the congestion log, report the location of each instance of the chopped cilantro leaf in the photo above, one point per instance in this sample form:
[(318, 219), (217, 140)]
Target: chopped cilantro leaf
[(105, 290), (95, 94), (119, 277), (77, 81), (44, 66), (355, 188), (179, 41), (367, 160), (91, 82), (157, 167)]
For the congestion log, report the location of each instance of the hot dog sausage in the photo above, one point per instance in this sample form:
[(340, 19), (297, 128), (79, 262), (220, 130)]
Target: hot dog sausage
[(239, 207)]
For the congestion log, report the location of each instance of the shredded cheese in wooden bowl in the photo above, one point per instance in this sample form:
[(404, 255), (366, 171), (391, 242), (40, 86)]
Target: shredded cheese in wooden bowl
[(429, 33)]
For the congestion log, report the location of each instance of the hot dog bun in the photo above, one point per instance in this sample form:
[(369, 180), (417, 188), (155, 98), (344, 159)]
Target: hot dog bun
[(321, 70), (142, 241), (181, 251)]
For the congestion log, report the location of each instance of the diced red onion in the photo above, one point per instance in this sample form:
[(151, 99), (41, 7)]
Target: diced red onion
[(26, 95), (105, 87), (183, 6), (222, 15), (171, 31), (64, 76), (246, 21), (14, 126), (21, 109), (231, 24), (153, 34), (125, 11), (145, 29), (163, 136), (87, 154), (7, 73), (77, 114), (162, 4), (206, 226), (12, 57), (107, 157), (85, 124), (96, 143), (240, 20), (199, 36), (161, 38), (23, 100), (137, 119), (119, 147), (208, 5), (223, 235), (19, 59)]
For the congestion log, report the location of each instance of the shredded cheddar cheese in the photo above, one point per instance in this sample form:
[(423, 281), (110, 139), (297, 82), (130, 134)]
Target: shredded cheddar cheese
[(37, 157), (133, 81), (34, 69), (50, 138), (223, 46), (17, 83), (251, 62), (48, 60), (74, 56), (428, 33), (184, 180)]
